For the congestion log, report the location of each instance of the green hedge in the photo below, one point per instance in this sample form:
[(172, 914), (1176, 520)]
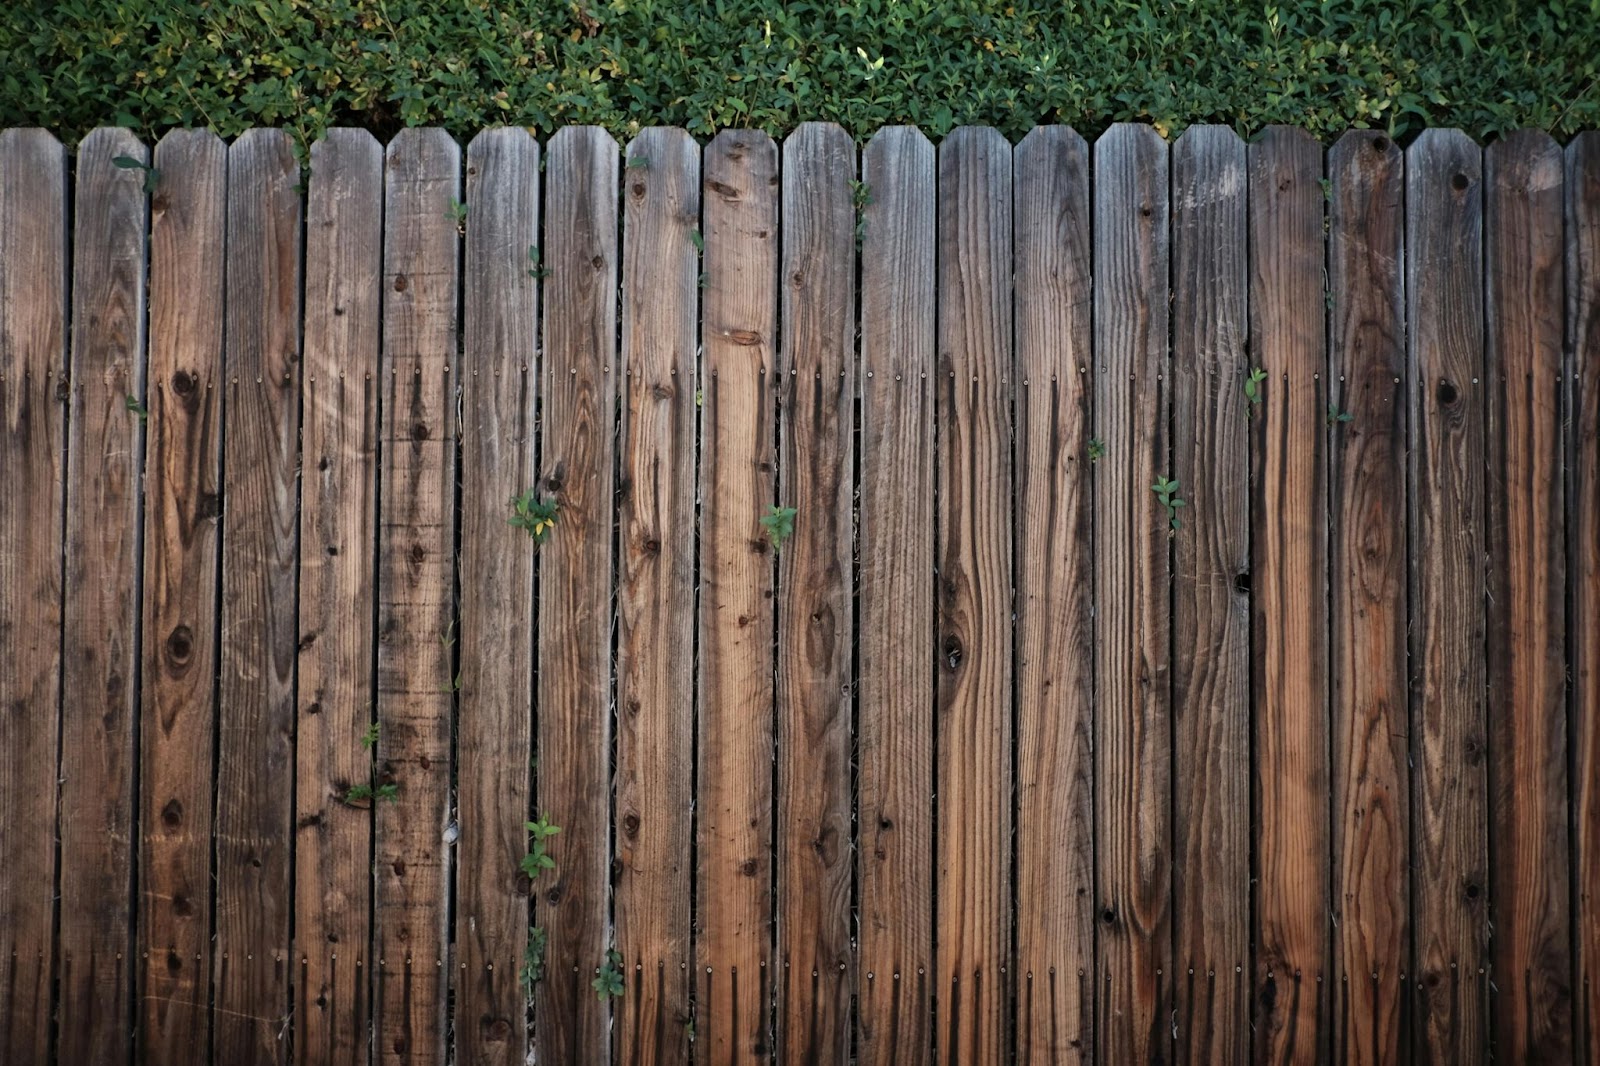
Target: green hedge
[(229, 64)]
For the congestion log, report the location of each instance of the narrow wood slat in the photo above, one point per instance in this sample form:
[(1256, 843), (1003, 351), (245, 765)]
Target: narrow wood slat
[(416, 610), (1444, 315), (260, 542), (1211, 610), (735, 736), (33, 391), (1133, 831), (182, 536), (1529, 889), (1053, 525), (1367, 581), (1289, 560), (338, 532), (577, 463), (895, 741), (99, 698), (494, 742), (655, 596), (816, 628), (1583, 569)]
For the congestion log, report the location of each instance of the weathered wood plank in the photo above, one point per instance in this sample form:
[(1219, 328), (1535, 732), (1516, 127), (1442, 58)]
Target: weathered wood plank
[(1529, 889), (99, 700), (655, 596), (815, 587), (1289, 564), (182, 535), (896, 600), (577, 462), (33, 391), (338, 535), (1211, 609), (416, 576), (1133, 619), (1367, 582), (737, 422), (495, 736), (260, 549), (1444, 316), (1053, 526)]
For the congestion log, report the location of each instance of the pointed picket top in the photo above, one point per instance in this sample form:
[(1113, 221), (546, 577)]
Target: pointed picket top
[(1130, 135), (117, 147), (1526, 162), (1352, 142), (1050, 139)]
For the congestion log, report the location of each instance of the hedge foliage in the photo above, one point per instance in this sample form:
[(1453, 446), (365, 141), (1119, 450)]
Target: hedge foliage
[(1487, 66)]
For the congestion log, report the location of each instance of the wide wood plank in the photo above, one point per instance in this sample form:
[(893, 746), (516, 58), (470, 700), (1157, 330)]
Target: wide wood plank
[(416, 578), (495, 735), (735, 735), (33, 394), (1211, 604), (1289, 566), (895, 650), (1529, 890), (1133, 830), (337, 640), (1053, 526), (99, 697), (656, 595), (1367, 582), (815, 586), (1444, 316), (182, 536), (260, 542)]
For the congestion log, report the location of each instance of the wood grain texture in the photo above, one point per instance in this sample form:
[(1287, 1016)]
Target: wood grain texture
[(260, 547), (1583, 574), (99, 642), (182, 538), (1367, 583), (816, 628), (1211, 606), (1529, 889), (895, 650), (33, 393), (1133, 830), (1449, 858), (338, 586), (736, 622), (1289, 615), (494, 741), (577, 463), (655, 596), (1053, 527), (416, 608)]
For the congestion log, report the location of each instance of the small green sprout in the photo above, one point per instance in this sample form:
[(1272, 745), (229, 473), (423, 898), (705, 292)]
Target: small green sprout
[(779, 524), (133, 404), (699, 241), (1252, 388), (534, 269), (458, 214), (1166, 490), (1097, 449), (538, 860), (607, 983), (536, 515), (359, 794), (369, 739), (1336, 416), (152, 176), (532, 960), (639, 162)]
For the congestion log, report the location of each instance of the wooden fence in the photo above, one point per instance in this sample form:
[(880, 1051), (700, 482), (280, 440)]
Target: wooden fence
[(1000, 753)]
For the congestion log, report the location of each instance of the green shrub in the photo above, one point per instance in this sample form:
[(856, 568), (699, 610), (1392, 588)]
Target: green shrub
[(1486, 66)]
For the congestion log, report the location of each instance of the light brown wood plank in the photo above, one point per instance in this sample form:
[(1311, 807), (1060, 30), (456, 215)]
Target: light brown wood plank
[(1367, 581), (33, 393), (1444, 260), (182, 536), (577, 463), (895, 738), (1289, 566), (735, 735), (99, 700), (495, 736), (260, 542), (1053, 525), (1529, 890), (416, 610), (338, 535), (1133, 619), (655, 596), (816, 627)]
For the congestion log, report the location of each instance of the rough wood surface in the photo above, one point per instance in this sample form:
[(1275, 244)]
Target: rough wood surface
[(895, 546)]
